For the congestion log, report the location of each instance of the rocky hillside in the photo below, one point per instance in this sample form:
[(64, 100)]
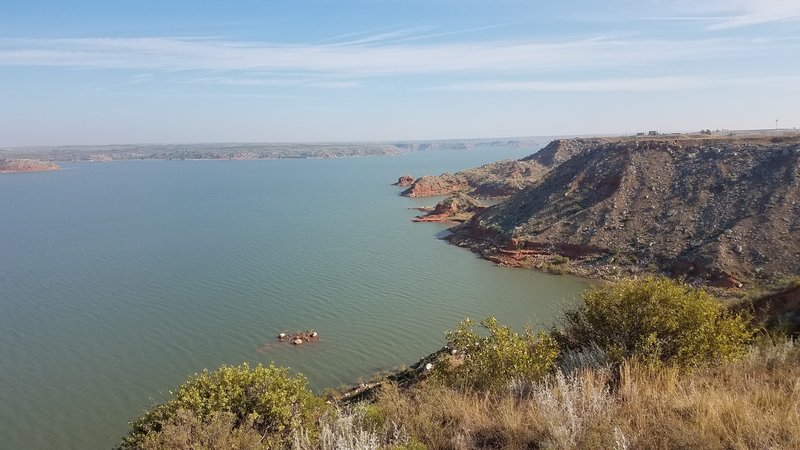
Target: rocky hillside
[(502, 178), (25, 165), (720, 210)]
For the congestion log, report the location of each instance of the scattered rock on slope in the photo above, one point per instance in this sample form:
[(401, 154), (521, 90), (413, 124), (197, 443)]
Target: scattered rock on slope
[(722, 210), (502, 178)]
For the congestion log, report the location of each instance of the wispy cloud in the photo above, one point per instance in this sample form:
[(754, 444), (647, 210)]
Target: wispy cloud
[(755, 12), (636, 84), (601, 85), (522, 56), (284, 82), (728, 14)]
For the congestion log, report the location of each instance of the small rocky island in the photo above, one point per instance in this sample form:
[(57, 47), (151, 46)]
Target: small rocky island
[(26, 165)]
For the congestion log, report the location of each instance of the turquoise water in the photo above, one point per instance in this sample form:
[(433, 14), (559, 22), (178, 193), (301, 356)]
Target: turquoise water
[(118, 280)]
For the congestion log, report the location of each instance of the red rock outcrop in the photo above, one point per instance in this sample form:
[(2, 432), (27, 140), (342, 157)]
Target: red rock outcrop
[(458, 208), (431, 186), (404, 181)]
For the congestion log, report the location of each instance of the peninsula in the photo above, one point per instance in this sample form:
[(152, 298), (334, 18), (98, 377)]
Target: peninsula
[(25, 165), (721, 211)]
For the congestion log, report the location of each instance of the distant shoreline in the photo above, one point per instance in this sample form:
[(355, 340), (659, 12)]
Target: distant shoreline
[(252, 151)]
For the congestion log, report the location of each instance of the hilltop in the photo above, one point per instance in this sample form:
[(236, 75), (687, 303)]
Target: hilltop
[(717, 210), (501, 178)]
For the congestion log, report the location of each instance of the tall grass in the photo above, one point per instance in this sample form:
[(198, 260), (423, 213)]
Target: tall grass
[(750, 404)]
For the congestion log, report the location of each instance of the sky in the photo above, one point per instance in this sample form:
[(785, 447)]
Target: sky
[(114, 72)]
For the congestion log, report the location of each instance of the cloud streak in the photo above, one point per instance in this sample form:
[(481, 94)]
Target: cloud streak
[(633, 84), (359, 59), (600, 85), (281, 82), (730, 14), (757, 12)]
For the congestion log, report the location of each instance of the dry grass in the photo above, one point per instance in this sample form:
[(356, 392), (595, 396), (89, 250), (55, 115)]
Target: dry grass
[(751, 404), (554, 414)]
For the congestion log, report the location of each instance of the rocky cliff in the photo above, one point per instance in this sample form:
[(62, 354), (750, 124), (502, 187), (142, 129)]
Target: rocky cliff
[(502, 178), (724, 211)]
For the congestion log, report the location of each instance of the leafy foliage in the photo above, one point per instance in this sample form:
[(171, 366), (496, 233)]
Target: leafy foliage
[(265, 399), (187, 431), (657, 320), (491, 361)]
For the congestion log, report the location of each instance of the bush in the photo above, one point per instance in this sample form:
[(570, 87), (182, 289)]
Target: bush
[(657, 320), (265, 399), (187, 431), (492, 361)]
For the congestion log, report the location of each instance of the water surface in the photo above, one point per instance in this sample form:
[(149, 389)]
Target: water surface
[(118, 280)]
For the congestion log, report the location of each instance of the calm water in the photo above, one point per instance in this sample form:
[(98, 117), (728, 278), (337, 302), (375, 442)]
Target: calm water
[(117, 280)]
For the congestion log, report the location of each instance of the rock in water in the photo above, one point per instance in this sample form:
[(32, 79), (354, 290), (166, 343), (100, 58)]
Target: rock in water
[(404, 181)]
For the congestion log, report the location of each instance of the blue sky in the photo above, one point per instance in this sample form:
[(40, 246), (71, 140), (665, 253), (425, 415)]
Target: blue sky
[(100, 72)]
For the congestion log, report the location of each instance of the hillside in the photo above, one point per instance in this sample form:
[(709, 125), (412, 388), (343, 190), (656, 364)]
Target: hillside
[(501, 178), (720, 210)]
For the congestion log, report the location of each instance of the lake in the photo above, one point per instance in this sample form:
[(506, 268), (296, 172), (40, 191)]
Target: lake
[(118, 280)]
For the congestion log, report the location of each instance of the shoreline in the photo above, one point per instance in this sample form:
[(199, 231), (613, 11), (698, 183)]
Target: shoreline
[(591, 268)]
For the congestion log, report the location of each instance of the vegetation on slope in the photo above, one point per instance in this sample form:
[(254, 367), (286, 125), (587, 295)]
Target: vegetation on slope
[(656, 320), (266, 401), (646, 363)]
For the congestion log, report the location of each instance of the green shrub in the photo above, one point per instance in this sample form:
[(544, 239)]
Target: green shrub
[(187, 431), (493, 360), (266, 399), (657, 320)]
